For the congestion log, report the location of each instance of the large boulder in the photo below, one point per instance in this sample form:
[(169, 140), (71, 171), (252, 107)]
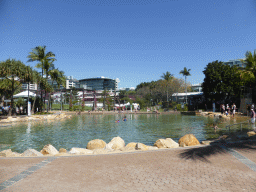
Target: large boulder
[(251, 133), (117, 143), (6, 153), (51, 117), (124, 149), (32, 153), (100, 151), (15, 154), (49, 150), (9, 153), (109, 147), (166, 143), (152, 148), (188, 140), (62, 150), (80, 151), (132, 145), (9, 118), (141, 146), (96, 144)]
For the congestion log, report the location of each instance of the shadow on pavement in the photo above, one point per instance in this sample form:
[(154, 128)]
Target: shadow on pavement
[(203, 153)]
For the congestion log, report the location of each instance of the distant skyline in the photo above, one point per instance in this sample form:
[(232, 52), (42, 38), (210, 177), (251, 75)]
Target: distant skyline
[(135, 41)]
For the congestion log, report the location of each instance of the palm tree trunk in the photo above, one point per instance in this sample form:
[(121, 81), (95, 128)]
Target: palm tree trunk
[(41, 89), (2, 101), (10, 109), (34, 102), (186, 88), (28, 97)]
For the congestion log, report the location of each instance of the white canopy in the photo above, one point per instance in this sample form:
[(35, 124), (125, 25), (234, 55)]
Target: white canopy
[(24, 94)]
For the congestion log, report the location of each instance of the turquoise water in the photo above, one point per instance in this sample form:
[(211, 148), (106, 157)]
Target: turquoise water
[(79, 130)]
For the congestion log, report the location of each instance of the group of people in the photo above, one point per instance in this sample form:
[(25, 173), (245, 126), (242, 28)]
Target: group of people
[(227, 109), (5, 109), (124, 119)]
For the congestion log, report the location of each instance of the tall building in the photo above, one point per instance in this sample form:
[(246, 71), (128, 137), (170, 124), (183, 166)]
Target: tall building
[(99, 83), (235, 62)]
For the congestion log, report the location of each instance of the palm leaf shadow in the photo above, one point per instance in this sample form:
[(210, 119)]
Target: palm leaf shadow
[(203, 153)]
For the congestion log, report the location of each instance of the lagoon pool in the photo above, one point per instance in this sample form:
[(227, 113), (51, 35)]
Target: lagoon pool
[(79, 130)]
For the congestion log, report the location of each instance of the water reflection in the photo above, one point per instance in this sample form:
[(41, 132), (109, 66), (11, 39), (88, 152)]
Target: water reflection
[(79, 130), (29, 128)]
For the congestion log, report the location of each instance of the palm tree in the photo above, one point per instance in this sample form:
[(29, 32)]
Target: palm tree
[(57, 76), (38, 80), (185, 72), (167, 77), (104, 94), (39, 54)]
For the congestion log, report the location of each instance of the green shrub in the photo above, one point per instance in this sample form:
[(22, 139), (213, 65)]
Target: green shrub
[(180, 109)]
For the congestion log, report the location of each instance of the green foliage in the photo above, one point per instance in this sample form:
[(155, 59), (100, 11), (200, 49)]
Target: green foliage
[(165, 104), (185, 72), (19, 102), (180, 109), (42, 113), (172, 105), (141, 102), (83, 107), (221, 81)]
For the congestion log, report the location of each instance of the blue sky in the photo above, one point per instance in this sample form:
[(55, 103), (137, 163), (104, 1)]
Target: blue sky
[(135, 41)]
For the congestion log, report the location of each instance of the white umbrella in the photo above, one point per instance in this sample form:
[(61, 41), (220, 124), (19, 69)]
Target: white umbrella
[(24, 94)]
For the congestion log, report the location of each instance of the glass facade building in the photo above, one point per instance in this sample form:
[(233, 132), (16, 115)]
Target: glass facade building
[(100, 83), (235, 62)]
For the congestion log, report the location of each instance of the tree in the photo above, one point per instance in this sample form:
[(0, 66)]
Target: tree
[(104, 94), (57, 76), (221, 81), (167, 77), (45, 59), (20, 102), (11, 71), (185, 72)]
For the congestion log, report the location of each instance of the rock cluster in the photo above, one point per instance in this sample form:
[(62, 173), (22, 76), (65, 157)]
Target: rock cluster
[(60, 116), (99, 146)]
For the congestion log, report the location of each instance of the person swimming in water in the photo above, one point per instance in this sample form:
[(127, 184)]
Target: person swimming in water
[(117, 121), (124, 119)]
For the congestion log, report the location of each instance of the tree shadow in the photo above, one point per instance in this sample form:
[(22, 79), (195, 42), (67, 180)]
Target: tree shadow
[(203, 153)]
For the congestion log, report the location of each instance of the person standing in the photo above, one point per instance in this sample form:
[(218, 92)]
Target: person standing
[(228, 109), (234, 109), (252, 116), (205, 107), (221, 109)]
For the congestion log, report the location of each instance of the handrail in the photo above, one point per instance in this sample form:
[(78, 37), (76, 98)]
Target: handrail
[(247, 121)]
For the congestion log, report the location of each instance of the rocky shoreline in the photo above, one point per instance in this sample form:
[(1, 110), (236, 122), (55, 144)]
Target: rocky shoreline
[(56, 116), (117, 145)]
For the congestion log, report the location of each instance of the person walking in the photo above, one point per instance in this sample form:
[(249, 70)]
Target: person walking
[(252, 116), (221, 109), (234, 109)]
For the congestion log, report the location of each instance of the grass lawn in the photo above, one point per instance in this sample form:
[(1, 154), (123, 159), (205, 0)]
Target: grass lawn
[(66, 107)]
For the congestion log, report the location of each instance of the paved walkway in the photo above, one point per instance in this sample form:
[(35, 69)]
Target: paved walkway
[(210, 168)]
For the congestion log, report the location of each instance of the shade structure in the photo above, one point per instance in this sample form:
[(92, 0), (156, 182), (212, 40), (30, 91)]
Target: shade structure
[(24, 94)]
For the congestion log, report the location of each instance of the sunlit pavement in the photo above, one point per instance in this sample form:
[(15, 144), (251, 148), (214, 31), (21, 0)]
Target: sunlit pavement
[(188, 169)]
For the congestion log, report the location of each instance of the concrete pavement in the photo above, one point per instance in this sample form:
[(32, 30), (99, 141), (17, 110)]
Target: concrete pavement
[(208, 168)]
